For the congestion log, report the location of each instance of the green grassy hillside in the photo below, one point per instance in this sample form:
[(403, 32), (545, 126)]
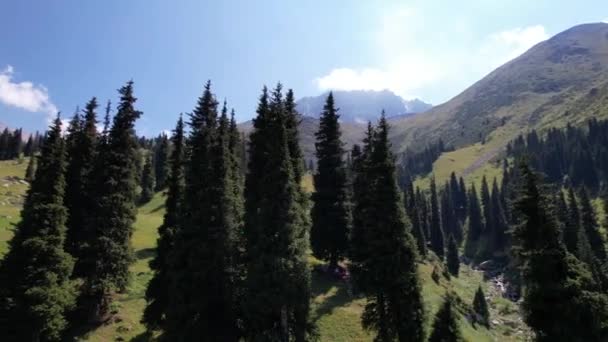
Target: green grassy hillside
[(561, 80), (12, 192), (336, 312)]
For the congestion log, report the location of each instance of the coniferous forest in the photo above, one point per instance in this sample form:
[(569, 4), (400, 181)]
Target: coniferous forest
[(232, 260)]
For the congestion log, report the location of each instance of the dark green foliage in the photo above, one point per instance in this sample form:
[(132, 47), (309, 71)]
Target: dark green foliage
[(558, 288), (475, 225), (387, 272), (437, 244), (147, 181), (81, 142), (157, 292), (362, 206), (331, 217), (206, 245), (35, 286), (161, 162), (576, 152), (420, 162), (413, 211), (109, 228), (480, 308), (591, 227), (499, 224), (449, 219), (278, 278), (11, 144), (31, 169), (486, 245), (445, 325), (452, 259)]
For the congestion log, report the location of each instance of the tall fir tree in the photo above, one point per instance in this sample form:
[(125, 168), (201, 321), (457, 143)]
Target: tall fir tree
[(362, 206), (480, 308), (486, 245), (417, 225), (157, 293), (449, 218), (437, 237), (35, 286), (205, 247), (445, 325), (331, 216), (388, 276), (475, 225), (558, 288), (161, 162), (30, 171), (147, 181), (110, 223), (278, 278), (499, 241), (452, 258), (28, 149), (590, 226), (81, 144)]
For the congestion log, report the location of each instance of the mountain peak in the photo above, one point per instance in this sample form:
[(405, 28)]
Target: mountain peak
[(362, 105)]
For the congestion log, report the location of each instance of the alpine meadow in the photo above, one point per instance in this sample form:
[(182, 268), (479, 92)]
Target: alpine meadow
[(274, 172)]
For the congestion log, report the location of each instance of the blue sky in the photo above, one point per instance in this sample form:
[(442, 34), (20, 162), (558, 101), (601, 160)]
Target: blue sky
[(55, 55)]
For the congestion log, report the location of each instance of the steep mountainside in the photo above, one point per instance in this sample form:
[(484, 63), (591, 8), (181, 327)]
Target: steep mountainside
[(561, 80)]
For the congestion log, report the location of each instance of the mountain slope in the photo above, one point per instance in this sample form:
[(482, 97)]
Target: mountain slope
[(561, 80)]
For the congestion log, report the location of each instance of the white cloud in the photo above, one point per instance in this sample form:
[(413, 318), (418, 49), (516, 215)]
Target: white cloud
[(24, 95), (506, 45), (417, 59), (605, 20)]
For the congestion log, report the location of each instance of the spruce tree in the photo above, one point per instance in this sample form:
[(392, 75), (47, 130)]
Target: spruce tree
[(362, 206), (278, 278), (452, 259), (31, 169), (157, 292), (591, 227), (480, 308), (388, 277), (206, 246), (35, 286), (499, 241), (110, 222), (486, 245), (81, 144), (331, 217), (449, 218), (558, 288), (147, 181), (445, 325), (417, 228), (161, 162), (437, 244), (475, 225), (28, 149)]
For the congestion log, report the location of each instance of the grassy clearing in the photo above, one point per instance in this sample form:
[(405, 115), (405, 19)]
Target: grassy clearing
[(12, 193), (463, 163)]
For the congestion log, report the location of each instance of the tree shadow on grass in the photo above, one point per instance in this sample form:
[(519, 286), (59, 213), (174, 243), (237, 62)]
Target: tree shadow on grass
[(143, 337), (334, 293), (145, 253)]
